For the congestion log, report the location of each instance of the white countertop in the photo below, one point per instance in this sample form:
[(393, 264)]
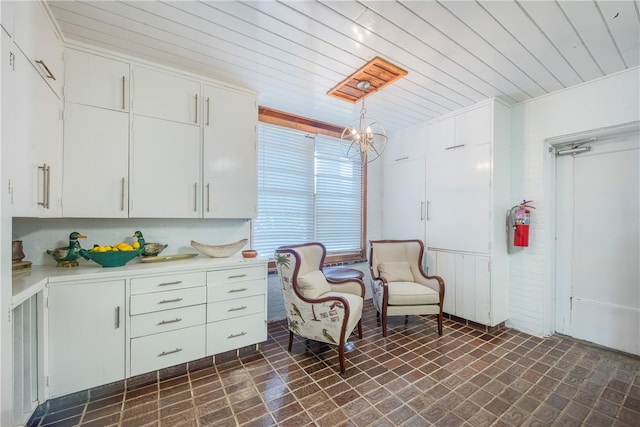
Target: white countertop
[(26, 284)]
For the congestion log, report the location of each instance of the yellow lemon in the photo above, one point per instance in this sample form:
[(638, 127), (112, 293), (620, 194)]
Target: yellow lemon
[(102, 249), (136, 245), (96, 248), (115, 249)]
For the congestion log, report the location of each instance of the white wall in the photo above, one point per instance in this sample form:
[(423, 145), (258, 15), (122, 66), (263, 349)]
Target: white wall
[(604, 102)]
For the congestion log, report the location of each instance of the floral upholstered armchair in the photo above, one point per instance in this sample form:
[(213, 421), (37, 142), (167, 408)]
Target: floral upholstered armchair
[(399, 285), (318, 308)]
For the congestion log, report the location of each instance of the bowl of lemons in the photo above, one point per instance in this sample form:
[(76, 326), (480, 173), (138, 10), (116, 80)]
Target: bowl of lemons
[(112, 255)]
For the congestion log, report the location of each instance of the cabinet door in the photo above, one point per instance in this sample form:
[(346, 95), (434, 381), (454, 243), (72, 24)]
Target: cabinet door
[(166, 96), (229, 163), (96, 154), (86, 335), (165, 169), (36, 144), (440, 135), (404, 200), (406, 144), (459, 198), (474, 126), (37, 38), (96, 80)]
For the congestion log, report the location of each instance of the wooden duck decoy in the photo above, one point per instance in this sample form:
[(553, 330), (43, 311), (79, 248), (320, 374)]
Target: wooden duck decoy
[(140, 237), (68, 255)]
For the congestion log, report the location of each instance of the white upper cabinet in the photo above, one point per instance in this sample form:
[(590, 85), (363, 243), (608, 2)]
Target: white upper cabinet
[(165, 169), (166, 96), (404, 200), (6, 16), (459, 166), (35, 144), (37, 38), (229, 161), (96, 80), (406, 144), (96, 162)]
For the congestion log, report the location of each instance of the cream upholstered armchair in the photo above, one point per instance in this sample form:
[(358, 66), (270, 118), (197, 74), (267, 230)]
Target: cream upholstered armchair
[(317, 308), (399, 284)]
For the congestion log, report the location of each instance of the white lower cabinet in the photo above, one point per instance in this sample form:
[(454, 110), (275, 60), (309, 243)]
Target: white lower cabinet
[(236, 308), (468, 284), (86, 335), (101, 331), (167, 314)]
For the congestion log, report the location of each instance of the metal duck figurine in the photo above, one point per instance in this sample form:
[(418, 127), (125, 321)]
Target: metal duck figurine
[(68, 256)]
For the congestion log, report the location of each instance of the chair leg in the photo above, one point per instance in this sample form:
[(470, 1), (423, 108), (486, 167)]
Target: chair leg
[(440, 324), (341, 356), (384, 322), (360, 328), (290, 341), (406, 319)]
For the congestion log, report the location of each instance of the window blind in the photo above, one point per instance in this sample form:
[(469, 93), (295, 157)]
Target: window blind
[(307, 191)]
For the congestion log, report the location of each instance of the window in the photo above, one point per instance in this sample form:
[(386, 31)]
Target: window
[(307, 191)]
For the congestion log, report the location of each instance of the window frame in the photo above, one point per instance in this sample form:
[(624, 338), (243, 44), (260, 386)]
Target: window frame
[(303, 124)]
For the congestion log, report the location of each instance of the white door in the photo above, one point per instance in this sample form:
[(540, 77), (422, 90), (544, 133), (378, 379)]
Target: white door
[(404, 190), (598, 244)]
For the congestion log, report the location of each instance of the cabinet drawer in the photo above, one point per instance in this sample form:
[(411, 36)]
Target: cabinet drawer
[(235, 333), (167, 349), (234, 308), (235, 290), (156, 301), (167, 320), (164, 283), (235, 275)]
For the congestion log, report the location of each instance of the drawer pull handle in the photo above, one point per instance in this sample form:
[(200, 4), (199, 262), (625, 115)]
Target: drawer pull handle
[(237, 308), (238, 290), (237, 276), (165, 353), (166, 301), (177, 282), (237, 335), (453, 147), (165, 322)]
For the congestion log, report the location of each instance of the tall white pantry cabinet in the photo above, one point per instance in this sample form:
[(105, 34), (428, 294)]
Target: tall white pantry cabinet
[(467, 198), (447, 181)]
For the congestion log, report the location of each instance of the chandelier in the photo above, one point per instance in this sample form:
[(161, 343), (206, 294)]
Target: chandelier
[(364, 138)]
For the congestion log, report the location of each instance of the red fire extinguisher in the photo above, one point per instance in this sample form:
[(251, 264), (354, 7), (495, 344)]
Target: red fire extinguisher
[(521, 217)]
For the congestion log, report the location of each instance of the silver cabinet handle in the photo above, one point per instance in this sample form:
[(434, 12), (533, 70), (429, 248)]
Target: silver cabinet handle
[(237, 308), (196, 120), (208, 109), (118, 317), (46, 185), (164, 353), (208, 197), (177, 282), (455, 146), (237, 335), (237, 290), (123, 96), (421, 211), (428, 206), (166, 322), (167, 301), (122, 195), (237, 276), (195, 197), (46, 69), (401, 158)]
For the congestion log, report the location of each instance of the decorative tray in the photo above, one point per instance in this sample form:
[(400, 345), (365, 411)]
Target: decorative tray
[(161, 258)]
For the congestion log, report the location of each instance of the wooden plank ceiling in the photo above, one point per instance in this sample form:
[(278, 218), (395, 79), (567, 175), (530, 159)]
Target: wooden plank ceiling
[(292, 53)]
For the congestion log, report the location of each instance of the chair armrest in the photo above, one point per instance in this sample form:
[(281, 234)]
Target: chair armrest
[(350, 286)]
